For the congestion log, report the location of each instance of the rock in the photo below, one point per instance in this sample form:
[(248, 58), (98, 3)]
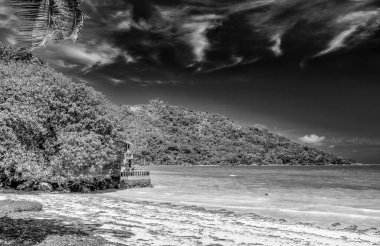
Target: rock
[(336, 224), (21, 187), (84, 189), (43, 186), (61, 189), (352, 228), (26, 185)]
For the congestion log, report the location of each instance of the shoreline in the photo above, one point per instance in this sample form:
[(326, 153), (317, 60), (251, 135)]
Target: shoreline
[(149, 223), (269, 165)]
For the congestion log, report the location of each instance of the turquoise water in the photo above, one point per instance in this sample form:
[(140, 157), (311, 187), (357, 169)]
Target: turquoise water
[(323, 195)]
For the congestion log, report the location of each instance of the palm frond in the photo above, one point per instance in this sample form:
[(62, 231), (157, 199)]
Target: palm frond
[(47, 20)]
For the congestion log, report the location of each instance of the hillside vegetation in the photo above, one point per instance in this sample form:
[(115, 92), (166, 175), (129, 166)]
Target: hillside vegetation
[(170, 135), (69, 136)]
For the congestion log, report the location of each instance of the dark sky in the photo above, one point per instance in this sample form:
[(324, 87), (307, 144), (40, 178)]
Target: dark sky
[(307, 70)]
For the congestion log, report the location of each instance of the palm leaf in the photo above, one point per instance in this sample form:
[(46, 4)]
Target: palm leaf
[(42, 21)]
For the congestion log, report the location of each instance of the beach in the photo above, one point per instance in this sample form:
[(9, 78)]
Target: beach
[(147, 223), (139, 217)]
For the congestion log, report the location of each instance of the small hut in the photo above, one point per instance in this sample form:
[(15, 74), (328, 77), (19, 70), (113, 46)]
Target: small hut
[(129, 174)]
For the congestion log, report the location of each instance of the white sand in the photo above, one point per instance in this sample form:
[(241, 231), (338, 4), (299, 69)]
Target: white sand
[(145, 223)]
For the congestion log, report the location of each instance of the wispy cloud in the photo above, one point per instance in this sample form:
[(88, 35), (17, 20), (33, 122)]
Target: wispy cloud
[(172, 38), (354, 141), (338, 42), (196, 37), (85, 56), (359, 25)]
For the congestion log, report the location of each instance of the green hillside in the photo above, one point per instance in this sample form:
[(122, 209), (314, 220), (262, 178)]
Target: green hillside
[(170, 135), (58, 131)]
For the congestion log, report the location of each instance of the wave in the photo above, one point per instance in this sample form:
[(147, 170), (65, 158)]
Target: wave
[(314, 212)]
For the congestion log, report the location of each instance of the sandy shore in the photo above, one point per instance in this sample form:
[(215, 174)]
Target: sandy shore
[(146, 223)]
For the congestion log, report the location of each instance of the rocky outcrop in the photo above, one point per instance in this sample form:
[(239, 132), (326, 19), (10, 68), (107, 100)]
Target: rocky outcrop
[(43, 186)]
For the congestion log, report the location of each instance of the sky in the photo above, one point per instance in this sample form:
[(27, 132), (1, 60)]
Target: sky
[(307, 70)]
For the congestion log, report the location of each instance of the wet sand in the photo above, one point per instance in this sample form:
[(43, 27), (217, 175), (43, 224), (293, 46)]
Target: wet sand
[(147, 223)]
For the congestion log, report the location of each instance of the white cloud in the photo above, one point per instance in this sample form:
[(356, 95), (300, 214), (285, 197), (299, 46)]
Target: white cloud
[(276, 48), (128, 58), (124, 19), (207, 17), (197, 38), (312, 139), (124, 25)]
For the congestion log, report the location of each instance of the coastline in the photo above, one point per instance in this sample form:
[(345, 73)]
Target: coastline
[(270, 165), (122, 222)]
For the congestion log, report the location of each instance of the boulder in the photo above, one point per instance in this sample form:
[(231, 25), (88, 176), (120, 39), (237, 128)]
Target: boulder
[(26, 185), (63, 190), (84, 189), (43, 186)]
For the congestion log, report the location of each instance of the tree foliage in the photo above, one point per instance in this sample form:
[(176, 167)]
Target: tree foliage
[(170, 135), (51, 126)]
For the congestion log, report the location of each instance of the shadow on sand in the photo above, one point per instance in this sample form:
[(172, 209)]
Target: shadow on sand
[(29, 231)]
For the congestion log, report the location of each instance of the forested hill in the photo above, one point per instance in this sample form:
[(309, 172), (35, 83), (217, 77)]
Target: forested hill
[(171, 135)]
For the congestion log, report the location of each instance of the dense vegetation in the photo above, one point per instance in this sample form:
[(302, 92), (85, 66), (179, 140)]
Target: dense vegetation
[(170, 135), (67, 135), (52, 129)]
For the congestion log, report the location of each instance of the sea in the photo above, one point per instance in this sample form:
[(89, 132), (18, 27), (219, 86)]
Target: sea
[(319, 195)]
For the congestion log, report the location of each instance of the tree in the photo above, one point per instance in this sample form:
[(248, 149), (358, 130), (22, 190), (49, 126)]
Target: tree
[(52, 127)]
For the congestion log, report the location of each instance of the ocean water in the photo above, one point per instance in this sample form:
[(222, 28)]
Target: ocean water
[(320, 195)]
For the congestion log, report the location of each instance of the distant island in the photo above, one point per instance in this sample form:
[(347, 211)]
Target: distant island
[(67, 134)]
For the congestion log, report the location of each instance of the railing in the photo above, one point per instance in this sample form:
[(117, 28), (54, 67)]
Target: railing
[(135, 173)]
